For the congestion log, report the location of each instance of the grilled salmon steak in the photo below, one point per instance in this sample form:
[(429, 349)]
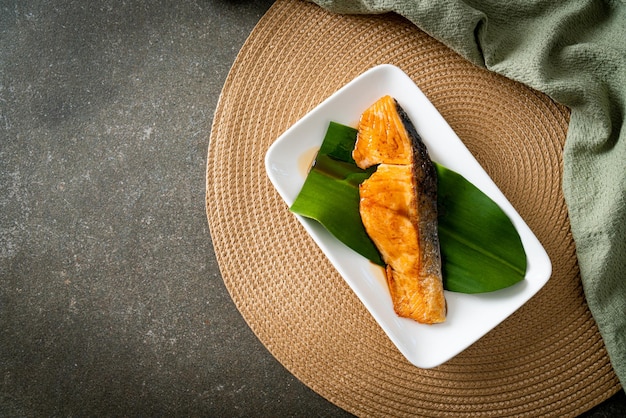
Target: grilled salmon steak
[(398, 207)]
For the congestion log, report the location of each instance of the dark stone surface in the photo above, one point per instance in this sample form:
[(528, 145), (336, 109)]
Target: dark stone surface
[(111, 301)]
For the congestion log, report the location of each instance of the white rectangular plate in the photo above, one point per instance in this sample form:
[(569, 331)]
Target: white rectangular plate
[(469, 316)]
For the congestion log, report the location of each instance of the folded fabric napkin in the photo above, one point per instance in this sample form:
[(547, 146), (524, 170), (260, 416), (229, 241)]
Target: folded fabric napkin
[(575, 52)]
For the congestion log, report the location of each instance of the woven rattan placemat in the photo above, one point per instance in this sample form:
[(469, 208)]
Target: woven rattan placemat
[(546, 359)]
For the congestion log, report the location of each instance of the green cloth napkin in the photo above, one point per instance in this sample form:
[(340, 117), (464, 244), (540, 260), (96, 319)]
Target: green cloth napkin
[(575, 52)]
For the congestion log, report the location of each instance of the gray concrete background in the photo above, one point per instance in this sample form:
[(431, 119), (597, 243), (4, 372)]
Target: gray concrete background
[(111, 301)]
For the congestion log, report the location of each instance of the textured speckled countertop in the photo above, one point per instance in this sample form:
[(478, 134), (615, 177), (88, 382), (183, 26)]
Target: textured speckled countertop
[(111, 300)]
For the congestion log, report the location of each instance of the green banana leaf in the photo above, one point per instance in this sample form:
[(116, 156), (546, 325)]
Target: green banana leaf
[(330, 193), (480, 247)]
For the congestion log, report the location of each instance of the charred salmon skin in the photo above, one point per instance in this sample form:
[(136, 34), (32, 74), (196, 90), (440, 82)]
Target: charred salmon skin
[(398, 207)]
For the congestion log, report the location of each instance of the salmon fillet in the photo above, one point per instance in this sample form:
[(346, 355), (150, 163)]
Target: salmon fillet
[(398, 207)]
